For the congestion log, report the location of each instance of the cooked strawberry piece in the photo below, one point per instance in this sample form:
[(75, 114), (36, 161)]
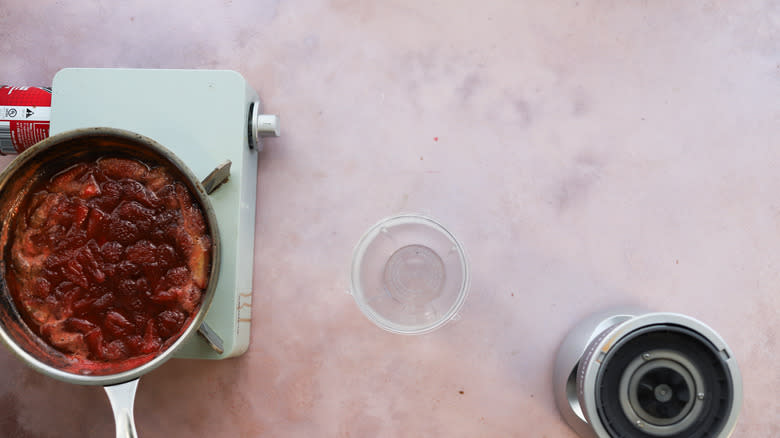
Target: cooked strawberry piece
[(184, 241), (142, 287), (124, 232), (82, 306), (84, 186), (167, 196), (177, 277), (94, 248), (111, 195), (157, 178), (87, 258), (72, 173), (90, 188), (135, 344), (79, 325), (133, 211), (71, 177), (188, 297), (73, 239), (165, 255), (153, 274), (141, 252), (115, 350), (103, 302), (119, 168), (135, 191), (41, 288), (60, 214), (63, 288), (169, 322), (117, 325), (112, 251), (79, 214), (150, 345), (96, 223), (94, 340), (74, 272), (151, 339), (164, 296), (126, 288), (97, 275), (138, 316), (127, 269)]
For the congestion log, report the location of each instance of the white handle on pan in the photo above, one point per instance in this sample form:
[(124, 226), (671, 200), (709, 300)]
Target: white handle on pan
[(122, 397)]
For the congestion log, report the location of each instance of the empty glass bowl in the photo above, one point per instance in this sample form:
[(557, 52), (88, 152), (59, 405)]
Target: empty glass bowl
[(409, 274)]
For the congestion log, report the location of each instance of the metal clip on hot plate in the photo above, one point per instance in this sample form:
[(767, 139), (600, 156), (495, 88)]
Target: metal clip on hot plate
[(211, 337), (217, 177)]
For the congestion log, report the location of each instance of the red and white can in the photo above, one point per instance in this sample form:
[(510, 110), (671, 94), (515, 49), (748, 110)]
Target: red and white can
[(25, 113)]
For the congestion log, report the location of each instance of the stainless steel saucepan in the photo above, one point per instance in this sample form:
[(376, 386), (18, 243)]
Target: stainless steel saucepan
[(43, 160)]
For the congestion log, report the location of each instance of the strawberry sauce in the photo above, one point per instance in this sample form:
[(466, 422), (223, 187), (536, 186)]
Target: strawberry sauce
[(109, 260)]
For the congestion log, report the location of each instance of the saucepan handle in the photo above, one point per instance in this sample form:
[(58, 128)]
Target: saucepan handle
[(122, 397)]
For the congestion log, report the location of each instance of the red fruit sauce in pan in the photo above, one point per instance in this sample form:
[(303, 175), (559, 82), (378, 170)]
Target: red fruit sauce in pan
[(109, 260)]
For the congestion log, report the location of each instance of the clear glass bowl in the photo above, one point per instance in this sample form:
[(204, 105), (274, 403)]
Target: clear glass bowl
[(409, 274)]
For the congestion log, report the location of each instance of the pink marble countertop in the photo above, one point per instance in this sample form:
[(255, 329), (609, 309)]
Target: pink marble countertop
[(587, 153)]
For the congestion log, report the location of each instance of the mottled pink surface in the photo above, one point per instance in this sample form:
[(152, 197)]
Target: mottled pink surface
[(587, 153)]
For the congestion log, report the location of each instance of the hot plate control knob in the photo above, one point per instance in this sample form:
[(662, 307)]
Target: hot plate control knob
[(268, 125), (261, 125)]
